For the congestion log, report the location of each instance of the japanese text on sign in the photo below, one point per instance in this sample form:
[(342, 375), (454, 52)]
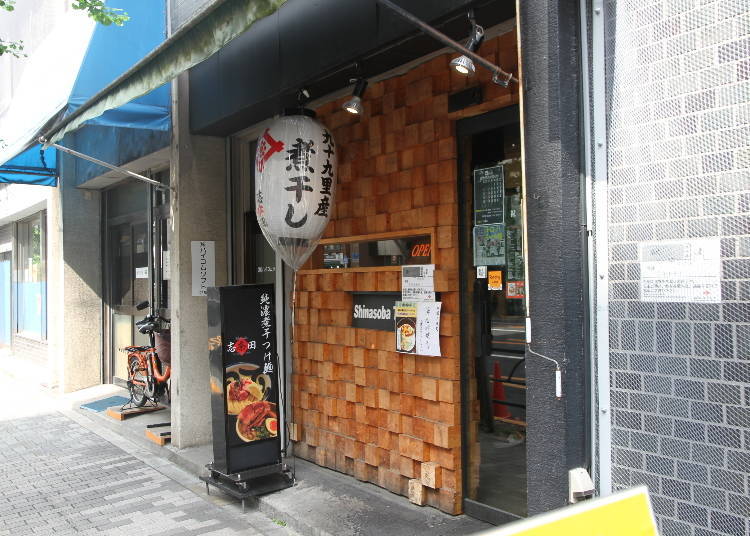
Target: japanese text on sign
[(418, 327), (299, 162), (417, 283), (265, 325), (203, 266), (687, 271), (327, 176)]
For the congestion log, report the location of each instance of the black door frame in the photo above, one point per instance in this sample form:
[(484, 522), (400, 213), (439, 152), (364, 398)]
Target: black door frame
[(465, 128)]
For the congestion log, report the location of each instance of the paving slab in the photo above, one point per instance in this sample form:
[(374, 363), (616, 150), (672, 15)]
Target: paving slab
[(321, 503)]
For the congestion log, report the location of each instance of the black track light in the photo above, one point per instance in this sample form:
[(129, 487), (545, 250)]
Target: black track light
[(354, 105), (463, 64)]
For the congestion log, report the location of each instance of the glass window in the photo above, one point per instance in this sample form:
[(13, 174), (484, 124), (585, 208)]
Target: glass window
[(31, 278)]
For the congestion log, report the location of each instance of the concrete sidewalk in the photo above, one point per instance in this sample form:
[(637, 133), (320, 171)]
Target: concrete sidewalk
[(323, 502)]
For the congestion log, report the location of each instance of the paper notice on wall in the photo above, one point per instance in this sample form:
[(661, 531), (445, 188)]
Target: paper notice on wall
[(418, 327), (203, 266), (687, 271), (428, 328), (495, 280), (418, 283), (141, 272)]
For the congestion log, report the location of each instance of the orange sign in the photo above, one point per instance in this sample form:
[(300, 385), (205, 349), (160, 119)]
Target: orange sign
[(495, 280), (421, 250)]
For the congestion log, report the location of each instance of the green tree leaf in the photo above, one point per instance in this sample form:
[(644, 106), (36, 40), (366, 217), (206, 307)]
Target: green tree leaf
[(96, 10), (14, 48), (102, 14)]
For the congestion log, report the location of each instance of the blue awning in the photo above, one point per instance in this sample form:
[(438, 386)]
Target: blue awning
[(34, 166), (110, 51)]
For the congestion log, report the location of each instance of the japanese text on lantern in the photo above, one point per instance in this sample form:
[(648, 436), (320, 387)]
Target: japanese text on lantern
[(299, 163), (326, 176), (265, 324)]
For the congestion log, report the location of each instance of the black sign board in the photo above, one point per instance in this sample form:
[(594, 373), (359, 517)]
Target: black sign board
[(489, 192), (374, 310), (244, 377)]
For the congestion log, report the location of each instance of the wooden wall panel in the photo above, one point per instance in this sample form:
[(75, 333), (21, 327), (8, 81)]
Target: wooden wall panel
[(358, 406)]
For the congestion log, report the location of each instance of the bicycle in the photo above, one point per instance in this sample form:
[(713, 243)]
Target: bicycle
[(147, 376)]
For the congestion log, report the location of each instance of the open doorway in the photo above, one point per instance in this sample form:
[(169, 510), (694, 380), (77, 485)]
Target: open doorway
[(493, 305)]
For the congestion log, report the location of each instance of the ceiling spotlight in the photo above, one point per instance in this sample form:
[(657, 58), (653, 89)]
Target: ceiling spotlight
[(463, 64), (354, 105)]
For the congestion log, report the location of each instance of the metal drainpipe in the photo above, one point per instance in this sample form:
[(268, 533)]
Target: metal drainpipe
[(596, 186)]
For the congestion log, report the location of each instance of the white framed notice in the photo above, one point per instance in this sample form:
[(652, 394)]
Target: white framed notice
[(202, 254), (417, 282), (686, 271)]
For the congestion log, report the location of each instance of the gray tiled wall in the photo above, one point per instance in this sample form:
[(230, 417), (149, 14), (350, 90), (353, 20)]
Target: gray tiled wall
[(678, 74), (183, 10)]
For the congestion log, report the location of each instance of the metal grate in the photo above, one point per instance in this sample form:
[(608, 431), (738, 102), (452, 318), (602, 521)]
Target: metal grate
[(678, 97)]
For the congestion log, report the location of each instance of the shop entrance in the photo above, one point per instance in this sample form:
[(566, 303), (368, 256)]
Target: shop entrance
[(130, 267), (493, 305)]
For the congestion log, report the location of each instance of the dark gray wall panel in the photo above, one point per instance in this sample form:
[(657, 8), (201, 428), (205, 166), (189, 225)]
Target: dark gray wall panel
[(557, 434)]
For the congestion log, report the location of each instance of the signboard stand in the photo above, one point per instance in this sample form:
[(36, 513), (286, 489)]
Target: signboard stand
[(245, 393), (252, 483)]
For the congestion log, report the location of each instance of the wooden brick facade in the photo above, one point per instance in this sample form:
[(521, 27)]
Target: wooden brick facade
[(358, 406)]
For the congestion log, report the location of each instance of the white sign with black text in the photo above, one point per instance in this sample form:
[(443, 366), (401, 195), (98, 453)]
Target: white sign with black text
[(418, 283), (202, 254), (687, 271)]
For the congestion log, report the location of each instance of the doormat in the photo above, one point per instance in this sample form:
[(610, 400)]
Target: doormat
[(104, 403)]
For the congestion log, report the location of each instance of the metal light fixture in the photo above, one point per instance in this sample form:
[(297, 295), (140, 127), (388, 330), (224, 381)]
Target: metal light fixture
[(354, 105), (463, 64), (502, 79)]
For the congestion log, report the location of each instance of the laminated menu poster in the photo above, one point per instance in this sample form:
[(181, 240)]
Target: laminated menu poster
[(489, 245), (418, 327)]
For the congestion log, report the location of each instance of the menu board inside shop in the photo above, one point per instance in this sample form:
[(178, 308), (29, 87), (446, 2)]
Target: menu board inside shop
[(244, 377), (489, 194), (489, 245)]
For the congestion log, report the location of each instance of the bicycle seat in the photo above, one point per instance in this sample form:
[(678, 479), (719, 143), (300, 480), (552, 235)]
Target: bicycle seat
[(137, 348), (146, 326)]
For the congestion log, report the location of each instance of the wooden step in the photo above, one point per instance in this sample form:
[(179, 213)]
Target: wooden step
[(511, 421), (120, 414), (160, 436)]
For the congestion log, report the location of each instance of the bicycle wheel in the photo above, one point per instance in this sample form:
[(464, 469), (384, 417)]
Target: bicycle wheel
[(137, 382)]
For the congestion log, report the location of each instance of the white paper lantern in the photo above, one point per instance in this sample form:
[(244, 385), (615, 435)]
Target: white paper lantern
[(295, 185)]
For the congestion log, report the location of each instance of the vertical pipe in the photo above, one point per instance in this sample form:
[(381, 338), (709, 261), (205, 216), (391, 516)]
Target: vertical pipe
[(587, 226), (152, 251)]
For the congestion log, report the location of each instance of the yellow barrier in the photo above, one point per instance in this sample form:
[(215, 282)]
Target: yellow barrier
[(627, 513)]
